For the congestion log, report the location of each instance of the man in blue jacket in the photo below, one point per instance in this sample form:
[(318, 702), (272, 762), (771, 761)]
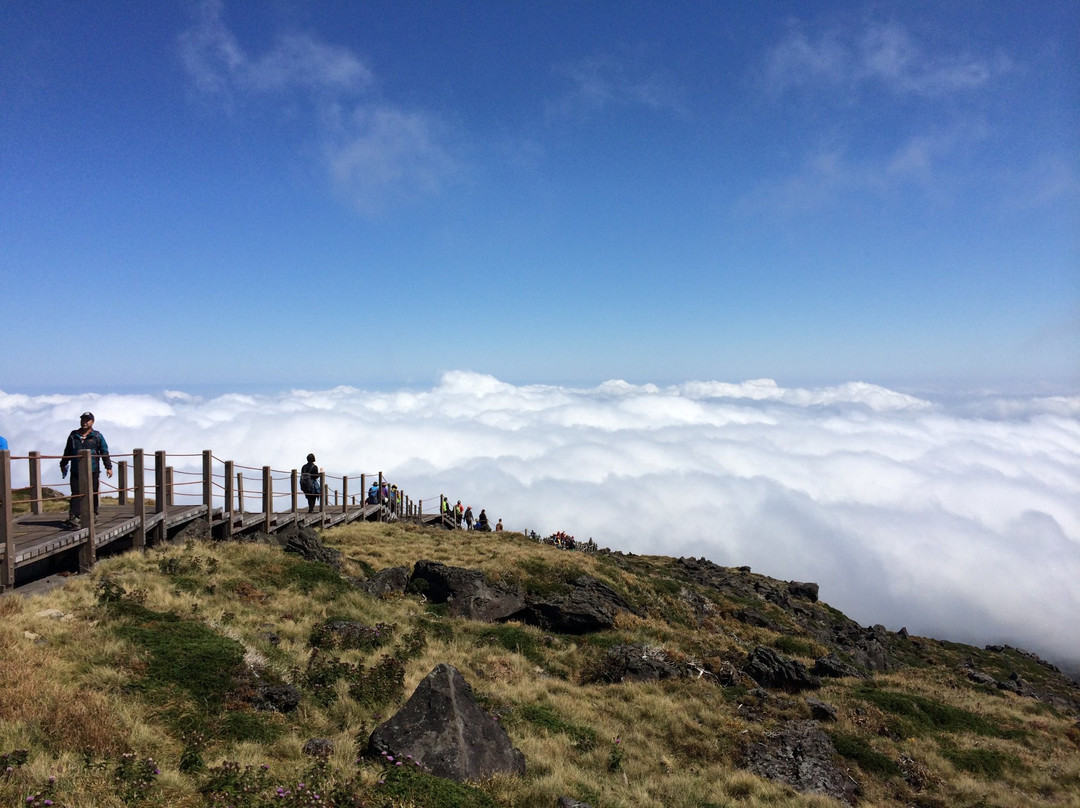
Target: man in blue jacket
[(85, 437)]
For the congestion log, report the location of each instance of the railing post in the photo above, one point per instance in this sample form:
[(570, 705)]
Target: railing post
[(345, 494), (87, 550), (382, 503), (268, 500), (322, 498), (7, 528), (295, 497), (363, 492), (35, 483), (121, 482), (161, 506), (208, 485), (240, 491), (169, 487), (139, 470), (230, 504)]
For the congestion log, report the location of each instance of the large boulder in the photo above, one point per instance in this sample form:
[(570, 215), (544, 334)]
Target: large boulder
[(386, 583), (585, 607), (444, 730), (801, 755), (468, 593)]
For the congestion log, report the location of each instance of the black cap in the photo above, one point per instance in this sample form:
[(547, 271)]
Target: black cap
[(86, 416)]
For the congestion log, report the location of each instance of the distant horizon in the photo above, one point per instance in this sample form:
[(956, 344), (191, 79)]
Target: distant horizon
[(956, 519)]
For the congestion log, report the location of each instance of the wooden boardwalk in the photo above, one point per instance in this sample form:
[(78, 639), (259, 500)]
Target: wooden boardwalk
[(35, 544)]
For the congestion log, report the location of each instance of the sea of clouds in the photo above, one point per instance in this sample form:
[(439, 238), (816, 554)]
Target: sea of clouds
[(957, 520)]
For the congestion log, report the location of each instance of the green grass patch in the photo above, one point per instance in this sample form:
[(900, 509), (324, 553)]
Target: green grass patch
[(545, 717), (988, 763), (918, 715), (865, 756), (514, 638), (409, 785), (180, 654)]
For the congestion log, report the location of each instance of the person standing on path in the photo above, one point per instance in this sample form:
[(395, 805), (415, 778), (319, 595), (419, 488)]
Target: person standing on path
[(311, 482), (85, 437)]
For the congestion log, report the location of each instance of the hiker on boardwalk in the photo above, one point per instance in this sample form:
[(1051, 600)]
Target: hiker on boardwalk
[(482, 522), (3, 443), (85, 437), (459, 514), (311, 482), (468, 518), (498, 526)]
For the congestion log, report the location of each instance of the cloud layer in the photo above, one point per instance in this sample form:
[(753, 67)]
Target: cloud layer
[(959, 521)]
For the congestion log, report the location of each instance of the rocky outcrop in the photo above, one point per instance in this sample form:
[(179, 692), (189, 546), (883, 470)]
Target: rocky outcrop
[(444, 730), (587, 606), (801, 755), (769, 669), (305, 542), (468, 593), (640, 663)]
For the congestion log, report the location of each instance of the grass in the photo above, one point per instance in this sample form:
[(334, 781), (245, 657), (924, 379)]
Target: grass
[(156, 656)]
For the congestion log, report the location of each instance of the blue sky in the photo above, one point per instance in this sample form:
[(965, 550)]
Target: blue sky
[(310, 194)]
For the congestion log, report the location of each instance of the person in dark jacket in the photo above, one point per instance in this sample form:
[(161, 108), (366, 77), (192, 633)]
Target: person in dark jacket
[(311, 482), (85, 437)]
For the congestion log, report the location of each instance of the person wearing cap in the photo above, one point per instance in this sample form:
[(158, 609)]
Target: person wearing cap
[(85, 437)]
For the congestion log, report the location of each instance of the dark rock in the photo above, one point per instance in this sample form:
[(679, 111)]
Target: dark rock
[(445, 731), (982, 678), (833, 667), (281, 698), (820, 710), (386, 583), (587, 607), (641, 663), (805, 591), (319, 747), (769, 669), (801, 755), (305, 542), (467, 592)]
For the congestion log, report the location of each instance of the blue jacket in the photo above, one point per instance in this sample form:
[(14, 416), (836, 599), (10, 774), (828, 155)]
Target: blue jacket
[(76, 442)]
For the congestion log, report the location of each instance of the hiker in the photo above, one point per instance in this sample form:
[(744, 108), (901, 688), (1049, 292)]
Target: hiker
[(468, 518), (498, 526), (85, 437), (394, 499), (3, 443), (311, 482), (459, 514), (482, 522), (373, 494)]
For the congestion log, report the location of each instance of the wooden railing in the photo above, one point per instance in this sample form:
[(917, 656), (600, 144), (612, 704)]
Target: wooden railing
[(220, 488)]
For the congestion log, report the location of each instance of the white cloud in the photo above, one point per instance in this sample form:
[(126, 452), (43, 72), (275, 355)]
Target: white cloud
[(604, 81), (217, 62), (877, 56), (375, 153), (959, 521)]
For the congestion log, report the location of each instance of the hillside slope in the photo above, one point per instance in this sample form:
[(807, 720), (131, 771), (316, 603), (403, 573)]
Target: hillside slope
[(208, 674)]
